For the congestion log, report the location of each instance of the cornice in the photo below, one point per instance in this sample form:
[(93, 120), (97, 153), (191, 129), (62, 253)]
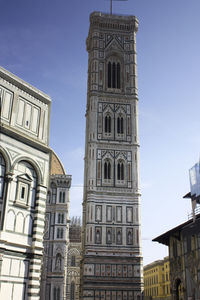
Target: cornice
[(24, 86)]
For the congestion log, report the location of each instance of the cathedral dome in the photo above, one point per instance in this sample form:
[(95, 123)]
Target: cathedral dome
[(56, 167)]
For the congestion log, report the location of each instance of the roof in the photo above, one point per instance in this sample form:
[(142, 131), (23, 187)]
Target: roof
[(164, 238), (56, 167), (153, 264), (23, 85)]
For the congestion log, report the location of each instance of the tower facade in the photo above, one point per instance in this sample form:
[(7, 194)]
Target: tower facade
[(56, 233), (111, 267)]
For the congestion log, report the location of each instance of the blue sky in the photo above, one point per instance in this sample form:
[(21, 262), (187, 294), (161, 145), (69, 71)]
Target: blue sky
[(43, 42)]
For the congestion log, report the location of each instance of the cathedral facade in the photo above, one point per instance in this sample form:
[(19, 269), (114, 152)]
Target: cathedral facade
[(112, 263)]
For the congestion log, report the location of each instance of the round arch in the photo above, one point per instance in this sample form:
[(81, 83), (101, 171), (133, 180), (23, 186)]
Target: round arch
[(34, 165), (177, 285), (6, 157)]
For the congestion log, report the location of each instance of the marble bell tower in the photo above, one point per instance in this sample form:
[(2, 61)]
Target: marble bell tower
[(111, 266)]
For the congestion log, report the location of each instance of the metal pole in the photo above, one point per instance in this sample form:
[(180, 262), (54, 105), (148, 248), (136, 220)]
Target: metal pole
[(111, 7)]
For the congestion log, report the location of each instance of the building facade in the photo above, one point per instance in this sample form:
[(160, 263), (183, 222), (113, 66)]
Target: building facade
[(112, 263), (24, 172), (74, 259), (183, 243), (157, 280), (56, 234)]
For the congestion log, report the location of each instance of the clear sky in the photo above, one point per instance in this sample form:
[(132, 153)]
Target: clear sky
[(43, 42)]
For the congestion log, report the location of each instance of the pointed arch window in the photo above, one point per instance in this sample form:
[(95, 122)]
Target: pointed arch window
[(107, 124), (109, 74), (107, 170), (56, 293), (120, 125), (73, 261), (114, 74), (120, 171)]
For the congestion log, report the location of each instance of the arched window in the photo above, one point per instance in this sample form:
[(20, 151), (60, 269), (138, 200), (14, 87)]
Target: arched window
[(2, 175), (72, 291), (120, 125), (107, 124), (107, 170), (73, 261), (120, 171), (114, 75)]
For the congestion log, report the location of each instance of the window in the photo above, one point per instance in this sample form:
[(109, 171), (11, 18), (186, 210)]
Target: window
[(113, 75), (107, 124), (23, 188), (59, 234), (6, 100), (72, 291), (25, 180), (62, 197), (28, 115), (61, 218), (120, 170), (73, 261), (56, 293), (107, 170), (120, 125)]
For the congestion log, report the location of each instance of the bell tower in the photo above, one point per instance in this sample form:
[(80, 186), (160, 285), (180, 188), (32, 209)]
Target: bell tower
[(112, 262)]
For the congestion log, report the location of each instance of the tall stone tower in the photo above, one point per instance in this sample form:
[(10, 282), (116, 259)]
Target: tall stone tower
[(112, 263)]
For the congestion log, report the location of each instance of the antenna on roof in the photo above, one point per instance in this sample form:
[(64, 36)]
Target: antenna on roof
[(111, 4)]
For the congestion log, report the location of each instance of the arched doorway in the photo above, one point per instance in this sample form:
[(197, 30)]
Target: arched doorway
[(178, 288)]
